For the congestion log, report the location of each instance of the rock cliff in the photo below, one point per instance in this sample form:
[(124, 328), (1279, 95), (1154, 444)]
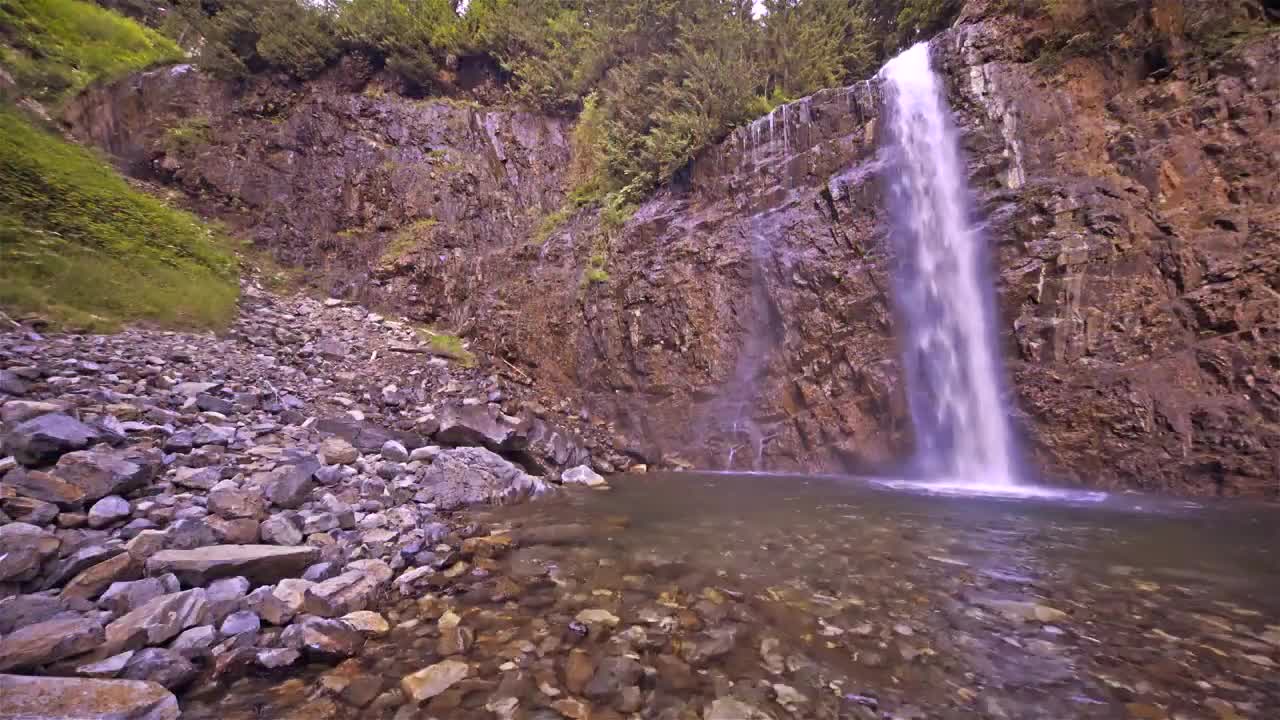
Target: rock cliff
[(1129, 195)]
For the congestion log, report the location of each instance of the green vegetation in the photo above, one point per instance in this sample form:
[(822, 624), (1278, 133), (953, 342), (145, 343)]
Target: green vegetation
[(189, 134), (407, 240), (81, 247), (449, 345), (54, 48)]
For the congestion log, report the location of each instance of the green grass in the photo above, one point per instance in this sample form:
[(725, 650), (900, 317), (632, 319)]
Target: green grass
[(82, 248), (551, 222), (54, 48), (188, 135), (406, 241), (448, 345)]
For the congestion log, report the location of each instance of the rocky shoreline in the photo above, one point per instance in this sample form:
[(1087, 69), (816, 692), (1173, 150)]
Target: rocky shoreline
[(178, 510)]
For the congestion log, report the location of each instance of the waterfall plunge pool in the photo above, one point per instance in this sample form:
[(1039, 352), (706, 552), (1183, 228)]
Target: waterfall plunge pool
[(819, 597)]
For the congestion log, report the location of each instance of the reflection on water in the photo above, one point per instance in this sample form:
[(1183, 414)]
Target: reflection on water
[(830, 598)]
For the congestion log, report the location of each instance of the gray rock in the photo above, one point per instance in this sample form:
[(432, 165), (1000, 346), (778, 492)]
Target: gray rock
[(282, 529), (16, 412), (231, 504), (275, 658), (213, 435), (351, 591), (124, 597), (189, 534), (425, 454), (50, 698), (23, 548), (196, 642), (109, 511), (470, 476), (163, 667), (105, 669), (92, 581), (29, 510), (581, 475), (101, 472), (395, 452), (48, 641), (197, 478), (479, 425), (211, 403), (290, 486), (19, 611), (44, 486), (238, 623), (44, 439), (279, 604), (337, 451), (157, 621), (226, 596), (261, 564), (322, 571)]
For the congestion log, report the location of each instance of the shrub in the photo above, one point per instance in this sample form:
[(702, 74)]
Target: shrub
[(54, 48)]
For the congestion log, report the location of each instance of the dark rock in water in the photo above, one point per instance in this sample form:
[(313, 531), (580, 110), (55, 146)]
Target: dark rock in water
[(50, 698), (325, 639), (163, 667), (49, 641), (472, 476), (261, 564), (43, 440)]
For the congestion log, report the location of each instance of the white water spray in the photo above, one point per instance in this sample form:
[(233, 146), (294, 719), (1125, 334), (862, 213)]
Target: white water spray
[(942, 292)]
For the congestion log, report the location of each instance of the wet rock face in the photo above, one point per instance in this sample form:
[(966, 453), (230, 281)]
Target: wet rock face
[(1128, 211)]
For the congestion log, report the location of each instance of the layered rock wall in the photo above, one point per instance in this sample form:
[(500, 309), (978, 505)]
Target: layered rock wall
[(1129, 195)]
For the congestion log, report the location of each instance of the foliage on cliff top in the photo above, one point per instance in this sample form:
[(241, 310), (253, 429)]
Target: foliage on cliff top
[(81, 247), (54, 48)]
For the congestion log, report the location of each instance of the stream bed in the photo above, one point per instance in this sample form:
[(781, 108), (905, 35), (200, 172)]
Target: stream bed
[(738, 597)]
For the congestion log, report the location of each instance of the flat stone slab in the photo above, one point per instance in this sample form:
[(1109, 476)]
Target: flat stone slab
[(261, 564), (51, 698)]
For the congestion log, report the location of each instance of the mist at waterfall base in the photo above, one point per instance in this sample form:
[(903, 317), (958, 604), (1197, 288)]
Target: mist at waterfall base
[(943, 293)]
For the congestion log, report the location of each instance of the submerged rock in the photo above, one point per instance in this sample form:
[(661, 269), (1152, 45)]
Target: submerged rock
[(435, 679)]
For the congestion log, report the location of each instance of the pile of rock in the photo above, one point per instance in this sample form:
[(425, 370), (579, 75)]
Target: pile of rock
[(175, 507)]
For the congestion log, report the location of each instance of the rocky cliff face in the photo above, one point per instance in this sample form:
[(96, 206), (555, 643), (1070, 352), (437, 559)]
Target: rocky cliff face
[(1130, 198)]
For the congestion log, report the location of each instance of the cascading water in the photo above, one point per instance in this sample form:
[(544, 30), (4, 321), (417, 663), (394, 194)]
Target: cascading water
[(943, 296)]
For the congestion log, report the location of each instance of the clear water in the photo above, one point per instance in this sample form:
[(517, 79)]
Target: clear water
[(867, 601), (942, 290)]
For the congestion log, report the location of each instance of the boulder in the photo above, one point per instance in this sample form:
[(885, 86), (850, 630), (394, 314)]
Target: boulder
[(261, 564), (50, 698), (231, 503), (48, 641), (108, 511), (351, 591), (19, 611), (290, 485), (581, 475), (393, 451), (158, 665), (124, 597), (197, 478), (278, 605), (337, 451), (327, 639), (44, 439), (44, 486), (16, 412), (92, 581), (470, 476), (479, 425), (157, 621), (23, 548), (282, 529), (102, 471)]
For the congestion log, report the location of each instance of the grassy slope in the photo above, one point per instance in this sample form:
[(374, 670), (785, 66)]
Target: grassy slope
[(83, 248), (78, 244), (54, 48)]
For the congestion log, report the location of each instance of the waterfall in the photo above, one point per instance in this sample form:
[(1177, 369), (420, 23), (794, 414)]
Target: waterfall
[(943, 294)]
